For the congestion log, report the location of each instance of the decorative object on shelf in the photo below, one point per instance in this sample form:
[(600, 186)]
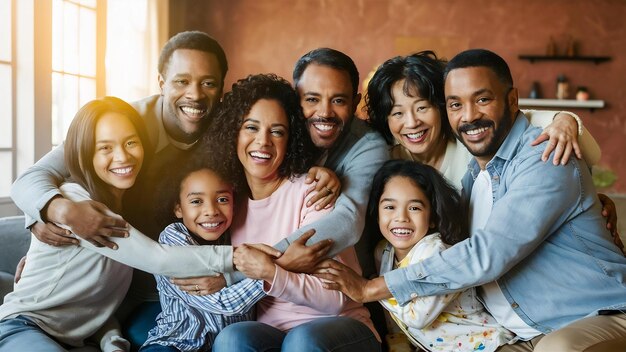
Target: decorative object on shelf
[(582, 94), (562, 87), (571, 47), (535, 91), (551, 48), (580, 100)]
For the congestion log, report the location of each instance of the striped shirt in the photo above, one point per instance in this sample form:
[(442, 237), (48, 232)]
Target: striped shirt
[(189, 322)]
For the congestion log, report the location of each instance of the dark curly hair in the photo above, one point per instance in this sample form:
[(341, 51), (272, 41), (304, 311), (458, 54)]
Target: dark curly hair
[(220, 139), (423, 73), (447, 211)]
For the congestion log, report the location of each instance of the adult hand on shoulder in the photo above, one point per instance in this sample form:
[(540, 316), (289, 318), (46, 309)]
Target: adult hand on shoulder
[(87, 219), (300, 258), (609, 211), (327, 187), (562, 134), (53, 235), (201, 286), (254, 263)]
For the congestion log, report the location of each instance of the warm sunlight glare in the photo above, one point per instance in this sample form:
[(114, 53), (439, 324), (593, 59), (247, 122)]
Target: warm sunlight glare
[(129, 69), (73, 61), (6, 97)]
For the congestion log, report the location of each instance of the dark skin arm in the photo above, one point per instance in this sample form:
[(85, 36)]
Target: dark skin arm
[(609, 211), (300, 258), (87, 219), (53, 235), (342, 278)]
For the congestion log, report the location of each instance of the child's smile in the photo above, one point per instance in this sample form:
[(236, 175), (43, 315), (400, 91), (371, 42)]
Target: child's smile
[(403, 214), (205, 204)]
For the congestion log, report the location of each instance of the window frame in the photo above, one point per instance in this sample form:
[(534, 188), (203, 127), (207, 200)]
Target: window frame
[(31, 51), (6, 204)]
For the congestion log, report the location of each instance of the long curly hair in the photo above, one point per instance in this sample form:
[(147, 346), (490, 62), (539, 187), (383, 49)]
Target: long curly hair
[(220, 139)]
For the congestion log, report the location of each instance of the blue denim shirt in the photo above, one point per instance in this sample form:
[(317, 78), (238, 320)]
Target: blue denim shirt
[(545, 241)]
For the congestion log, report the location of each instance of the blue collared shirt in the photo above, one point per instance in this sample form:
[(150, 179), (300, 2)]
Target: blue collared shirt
[(189, 322), (545, 241)]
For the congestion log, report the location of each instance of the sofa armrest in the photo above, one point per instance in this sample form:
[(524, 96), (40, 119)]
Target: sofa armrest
[(14, 242)]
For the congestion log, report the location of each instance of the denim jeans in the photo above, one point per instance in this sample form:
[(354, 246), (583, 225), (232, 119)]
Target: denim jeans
[(142, 319), (21, 334), (323, 334), (158, 348)]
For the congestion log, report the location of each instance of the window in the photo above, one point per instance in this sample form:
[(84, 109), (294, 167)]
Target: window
[(7, 119), (74, 61), (60, 48), (133, 44)]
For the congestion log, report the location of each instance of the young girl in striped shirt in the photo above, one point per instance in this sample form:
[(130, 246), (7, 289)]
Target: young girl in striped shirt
[(202, 203)]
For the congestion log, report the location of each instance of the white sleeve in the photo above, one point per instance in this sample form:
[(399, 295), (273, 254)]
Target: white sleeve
[(139, 251), (421, 311)]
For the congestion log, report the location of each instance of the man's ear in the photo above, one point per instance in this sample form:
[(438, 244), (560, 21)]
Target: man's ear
[(513, 100), (161, 83), (357, 100), (178, 211)]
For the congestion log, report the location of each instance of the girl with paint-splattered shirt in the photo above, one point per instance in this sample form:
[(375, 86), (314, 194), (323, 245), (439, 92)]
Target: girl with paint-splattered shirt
[(420, 215)]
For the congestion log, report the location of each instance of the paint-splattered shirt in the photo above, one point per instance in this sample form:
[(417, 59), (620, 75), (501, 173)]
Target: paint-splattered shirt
[(451, 322)]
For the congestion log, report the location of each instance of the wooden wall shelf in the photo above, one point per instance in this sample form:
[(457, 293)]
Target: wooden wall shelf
[(594, 59), (562, 103)]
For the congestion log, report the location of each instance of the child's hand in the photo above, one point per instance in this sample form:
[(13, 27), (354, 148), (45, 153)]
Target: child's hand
[(200, 286), (254, 263), (327, 186), (300, 258), (340, 277)]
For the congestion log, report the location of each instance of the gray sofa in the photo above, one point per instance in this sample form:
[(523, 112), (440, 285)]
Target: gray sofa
[(15, 240)]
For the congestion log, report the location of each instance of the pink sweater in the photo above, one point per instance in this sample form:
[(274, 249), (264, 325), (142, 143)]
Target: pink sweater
[(293, 298)]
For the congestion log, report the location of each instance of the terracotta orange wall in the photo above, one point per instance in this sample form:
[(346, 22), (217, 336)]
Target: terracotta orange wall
[(269, 36)]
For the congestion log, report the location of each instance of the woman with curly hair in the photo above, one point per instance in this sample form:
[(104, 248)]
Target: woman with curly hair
[(260, 135)]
